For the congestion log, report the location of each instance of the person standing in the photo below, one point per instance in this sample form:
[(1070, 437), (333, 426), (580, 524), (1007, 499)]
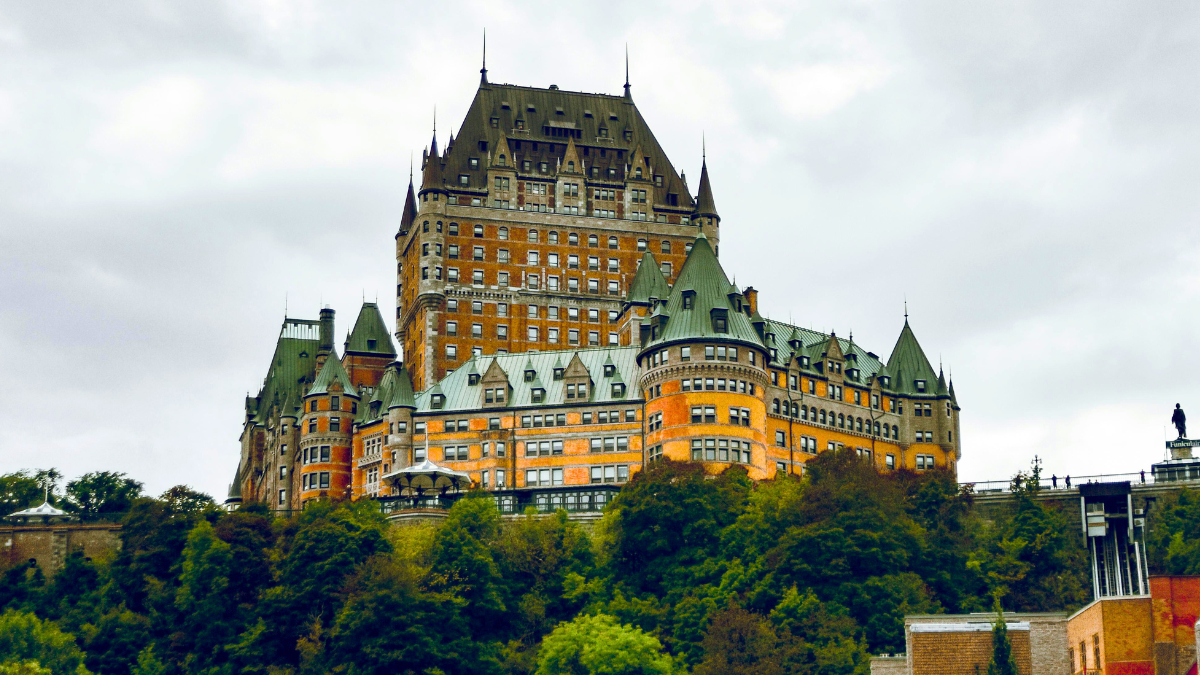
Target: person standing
[(1180, 421)]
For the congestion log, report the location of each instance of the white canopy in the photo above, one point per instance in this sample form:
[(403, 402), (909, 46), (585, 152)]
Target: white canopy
[(427, 478)]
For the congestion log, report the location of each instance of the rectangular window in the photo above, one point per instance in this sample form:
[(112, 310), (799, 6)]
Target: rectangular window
[(781, 439)]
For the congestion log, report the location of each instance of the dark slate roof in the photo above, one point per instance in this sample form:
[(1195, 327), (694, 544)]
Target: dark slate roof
[(369, 326), (462, 396), (702, 274), (907, 364), (542, 111), (292, 367), (705, 205), (648, 282), (410, 208), (330, 372)]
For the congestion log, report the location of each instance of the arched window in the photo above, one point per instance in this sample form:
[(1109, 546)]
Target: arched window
[(877, 428), (502, 233), (571, 167), (822, 417), (803, 412), (858, 424), (895, 432), (775, 406), (638, 172), (795, 410), (500, 161), (842, 421)]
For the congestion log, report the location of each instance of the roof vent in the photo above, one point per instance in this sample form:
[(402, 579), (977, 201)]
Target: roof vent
[(554, 87)]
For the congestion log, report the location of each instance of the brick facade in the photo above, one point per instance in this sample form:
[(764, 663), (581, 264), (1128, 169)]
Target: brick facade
[(49, 545)]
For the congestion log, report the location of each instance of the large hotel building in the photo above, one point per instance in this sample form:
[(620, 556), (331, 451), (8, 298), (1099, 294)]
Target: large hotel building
[(564, 320)]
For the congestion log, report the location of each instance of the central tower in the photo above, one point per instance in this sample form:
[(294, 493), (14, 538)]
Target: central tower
[(528, 228)]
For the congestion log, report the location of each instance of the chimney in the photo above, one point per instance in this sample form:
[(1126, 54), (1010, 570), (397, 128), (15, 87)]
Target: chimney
[(326, 336), (751, 296)]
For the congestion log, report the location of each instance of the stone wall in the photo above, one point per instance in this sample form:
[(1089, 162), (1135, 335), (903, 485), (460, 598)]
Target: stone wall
[(49, 545)]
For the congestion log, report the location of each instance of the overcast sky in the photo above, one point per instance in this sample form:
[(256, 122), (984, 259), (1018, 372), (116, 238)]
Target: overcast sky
[(1024, 172)]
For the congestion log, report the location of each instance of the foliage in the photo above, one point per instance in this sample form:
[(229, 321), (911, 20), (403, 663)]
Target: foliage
[(24, 489), (685, 572), (1173, 534), (102, 494), (28, 644), (1002, 662), (599, 645)]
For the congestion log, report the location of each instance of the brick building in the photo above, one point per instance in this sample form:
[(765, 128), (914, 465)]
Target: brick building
[(564, 320), (961, 644), (1139, 634)]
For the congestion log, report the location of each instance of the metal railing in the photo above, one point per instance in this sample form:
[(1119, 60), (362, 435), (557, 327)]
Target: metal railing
[(1172, 476)]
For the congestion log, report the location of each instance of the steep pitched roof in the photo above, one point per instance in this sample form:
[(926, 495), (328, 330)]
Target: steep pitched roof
[(432, 174), (292, 367), (549, 117), (332, 372), (705, 206), (410, 208), (703, 279), (908, 364), (648, 282), (402, 391), (370, 335)]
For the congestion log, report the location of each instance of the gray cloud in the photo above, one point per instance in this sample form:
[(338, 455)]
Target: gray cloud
[(1023, 172)]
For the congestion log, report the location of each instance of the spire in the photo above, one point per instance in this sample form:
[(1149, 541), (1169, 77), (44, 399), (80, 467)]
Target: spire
[(908, 364), (410, 204), (628, 96), (433, 152), (705, 206), (370, 334), (483, 71), (432, 179), (331, 372)]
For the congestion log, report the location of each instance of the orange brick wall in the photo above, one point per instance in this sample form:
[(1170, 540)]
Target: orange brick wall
[(1122, 626)]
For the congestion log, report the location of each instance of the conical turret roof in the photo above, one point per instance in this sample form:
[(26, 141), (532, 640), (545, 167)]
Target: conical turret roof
[(705, 206), (648, 282), (710, 296), (402, 392), (410, 208), (432, 178), (332, 372), (908, 364)]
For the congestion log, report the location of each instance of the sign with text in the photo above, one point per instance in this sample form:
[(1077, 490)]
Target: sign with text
[(1183, 443)]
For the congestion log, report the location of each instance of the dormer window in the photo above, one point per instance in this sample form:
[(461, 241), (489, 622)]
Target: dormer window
[(495, 122), (437, 401), (720, 321), (500, 161), (537, 395), (529, 375), (804, 361), (473, 162), (558, 374), (689, 299), (618, 391), (637, 173), (885, 381), (609, 369), (920, 385), (473, 379)]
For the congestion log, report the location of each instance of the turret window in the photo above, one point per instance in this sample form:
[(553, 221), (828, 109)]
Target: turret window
[(689, 299), (920, 385)]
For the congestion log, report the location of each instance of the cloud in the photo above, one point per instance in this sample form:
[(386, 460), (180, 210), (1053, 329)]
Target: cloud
[(1024, 173)]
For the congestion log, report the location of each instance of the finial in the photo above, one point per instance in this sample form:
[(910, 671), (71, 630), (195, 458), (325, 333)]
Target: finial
[(483, 70), (703, 149), (410, 167), (626, 70), (906, 307)]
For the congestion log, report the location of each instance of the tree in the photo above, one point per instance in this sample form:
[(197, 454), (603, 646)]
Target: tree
[(1173, 535), (22, 489), (1002, 659), (535, 556), (599, 645), (25, 638), (389, 621), (102, 494), (463, 563), (739, 642)]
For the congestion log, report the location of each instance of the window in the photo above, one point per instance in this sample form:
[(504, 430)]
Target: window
[(781, 439), (451, 352), (451, 328)]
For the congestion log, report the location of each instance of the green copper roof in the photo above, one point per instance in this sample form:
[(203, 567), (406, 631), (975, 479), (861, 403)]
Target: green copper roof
[(370, 334), (332, 371), (292, 368), (649, 281), (703, 281), (813, 344), (907, 364), (463, 396), (402, 392)]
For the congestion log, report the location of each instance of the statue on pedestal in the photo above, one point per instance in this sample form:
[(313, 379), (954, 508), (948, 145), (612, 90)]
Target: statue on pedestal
[(1180, 421)]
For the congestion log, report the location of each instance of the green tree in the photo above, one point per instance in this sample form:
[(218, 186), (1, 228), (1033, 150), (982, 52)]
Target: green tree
[(1173, 534), (209, 613), (23, 489), (317, 551), (25, 638), (535, 557), (102, 494), (22, 587), (464, 564), (389, 620), (738, 642), (599, 645), (1001, 662)]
